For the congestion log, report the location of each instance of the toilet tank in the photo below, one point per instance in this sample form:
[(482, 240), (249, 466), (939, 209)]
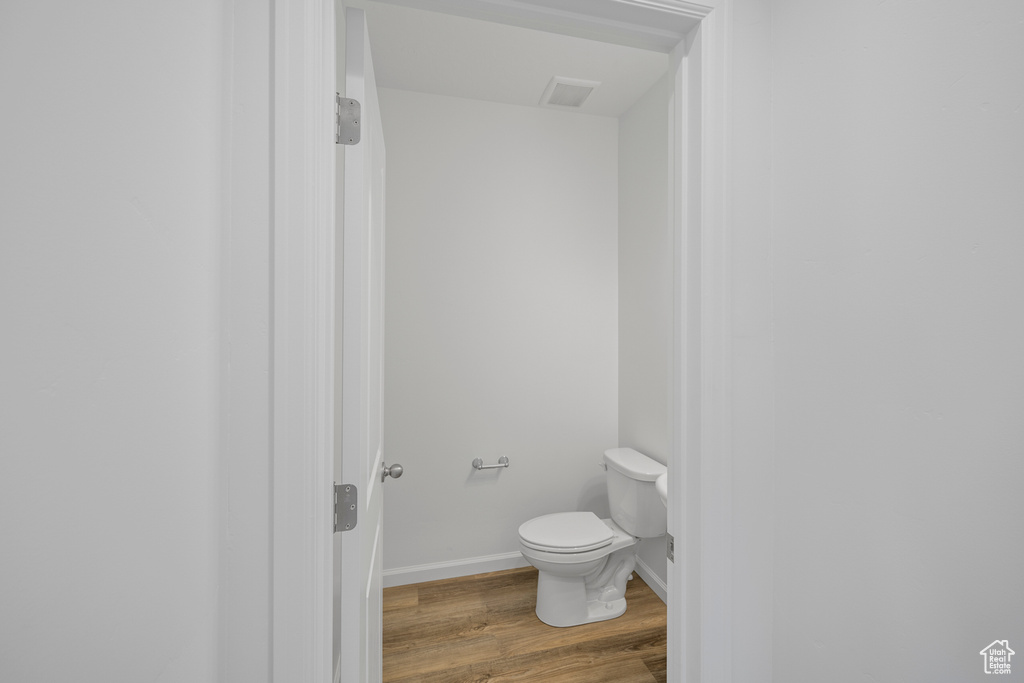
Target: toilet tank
[(632, 497)]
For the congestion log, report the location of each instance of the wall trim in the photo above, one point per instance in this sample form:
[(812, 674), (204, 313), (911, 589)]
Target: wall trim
[(435, 571), (452, 569), (652, 579), (657, 25), (700, 504)]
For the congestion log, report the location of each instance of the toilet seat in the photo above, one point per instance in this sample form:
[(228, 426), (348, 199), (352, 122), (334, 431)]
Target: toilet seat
[(566, 532)]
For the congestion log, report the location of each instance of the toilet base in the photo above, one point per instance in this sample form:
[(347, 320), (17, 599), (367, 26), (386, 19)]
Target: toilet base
[(564, 601), (566, 611), (598, 610)]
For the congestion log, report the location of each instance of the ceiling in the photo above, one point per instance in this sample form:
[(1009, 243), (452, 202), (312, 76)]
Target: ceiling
[(459, 56)]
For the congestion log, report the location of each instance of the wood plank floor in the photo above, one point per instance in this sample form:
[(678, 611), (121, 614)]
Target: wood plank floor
[(484, 628)]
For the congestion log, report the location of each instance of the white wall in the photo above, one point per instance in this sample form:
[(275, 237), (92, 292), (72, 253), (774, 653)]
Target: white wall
[(645, 290), (244, 573), (110, 204), (897, 140), (502, 297), (753, 370)]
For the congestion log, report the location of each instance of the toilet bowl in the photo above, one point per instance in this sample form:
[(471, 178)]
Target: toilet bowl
[(584, 561), (581, 578)]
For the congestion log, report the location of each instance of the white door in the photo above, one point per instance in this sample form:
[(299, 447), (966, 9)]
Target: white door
[(362, 455)]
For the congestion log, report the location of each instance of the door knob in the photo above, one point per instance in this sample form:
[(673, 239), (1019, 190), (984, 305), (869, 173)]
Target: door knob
[(395, 471)]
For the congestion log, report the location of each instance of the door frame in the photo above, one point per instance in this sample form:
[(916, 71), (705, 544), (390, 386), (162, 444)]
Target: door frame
[(302, 337), (302, 298)]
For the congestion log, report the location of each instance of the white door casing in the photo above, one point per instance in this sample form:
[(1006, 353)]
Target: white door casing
[(301, 271)]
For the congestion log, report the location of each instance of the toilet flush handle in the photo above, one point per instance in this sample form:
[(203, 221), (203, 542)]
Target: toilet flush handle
[(395, 471)]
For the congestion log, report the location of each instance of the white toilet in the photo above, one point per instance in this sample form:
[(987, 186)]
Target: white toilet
[(584, 561)]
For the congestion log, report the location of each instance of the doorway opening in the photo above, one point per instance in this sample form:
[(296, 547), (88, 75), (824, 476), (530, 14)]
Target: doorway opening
[(696, 412), (530, 281)]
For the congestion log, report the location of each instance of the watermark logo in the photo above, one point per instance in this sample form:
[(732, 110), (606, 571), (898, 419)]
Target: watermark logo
[(997, 657)]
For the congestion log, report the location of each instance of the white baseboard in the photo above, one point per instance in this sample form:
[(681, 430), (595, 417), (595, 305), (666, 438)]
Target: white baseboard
[(420, 573), (653, 580)]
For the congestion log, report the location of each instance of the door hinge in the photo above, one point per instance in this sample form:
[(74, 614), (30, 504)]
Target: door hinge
[(346, 120), (346, 498), (671, 547)]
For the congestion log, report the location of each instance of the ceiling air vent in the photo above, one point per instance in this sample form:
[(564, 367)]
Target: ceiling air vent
[(567, 92)]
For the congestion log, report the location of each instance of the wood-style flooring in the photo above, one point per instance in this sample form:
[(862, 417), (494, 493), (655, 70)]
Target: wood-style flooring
[(484, 628)]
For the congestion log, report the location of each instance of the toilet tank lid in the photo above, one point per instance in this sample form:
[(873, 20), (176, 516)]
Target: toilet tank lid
[(634, 464)]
